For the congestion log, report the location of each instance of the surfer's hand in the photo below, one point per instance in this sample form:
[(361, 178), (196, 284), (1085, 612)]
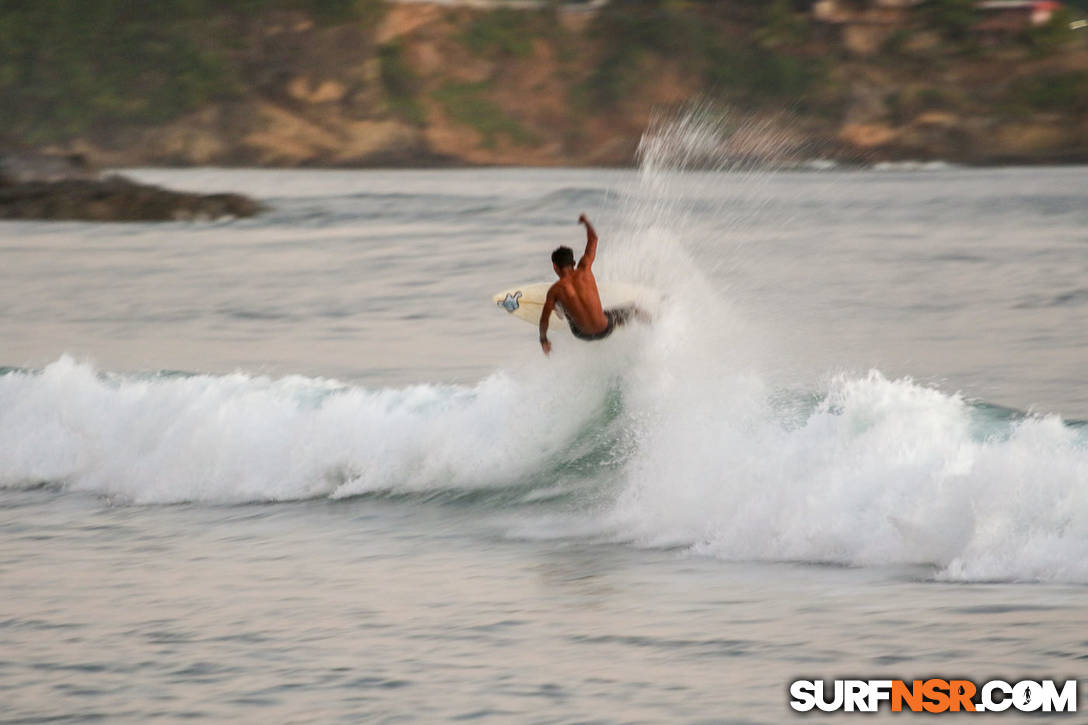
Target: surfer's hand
[(582, 219), (546, 347)]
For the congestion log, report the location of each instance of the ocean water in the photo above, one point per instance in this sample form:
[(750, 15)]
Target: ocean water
[(298, 468)]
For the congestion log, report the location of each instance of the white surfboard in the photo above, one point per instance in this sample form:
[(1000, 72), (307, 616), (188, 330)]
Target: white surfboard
[(526, 301)]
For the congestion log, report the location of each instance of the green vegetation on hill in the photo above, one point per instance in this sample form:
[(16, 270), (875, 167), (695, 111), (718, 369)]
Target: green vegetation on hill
[(400, 83), (1052, 92), (952, 17), (627, 37), (760, 66), (468, 103), (98, 69), (70, 66), (502, 31)]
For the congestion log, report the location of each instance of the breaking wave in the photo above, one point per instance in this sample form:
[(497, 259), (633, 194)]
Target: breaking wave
[(667, 436), (873, 472)]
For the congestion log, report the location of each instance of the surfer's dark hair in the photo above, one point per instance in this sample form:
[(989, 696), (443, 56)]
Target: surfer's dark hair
[(563, 257)]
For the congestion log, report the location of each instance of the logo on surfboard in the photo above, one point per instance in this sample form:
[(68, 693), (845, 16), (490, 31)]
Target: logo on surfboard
[(511, 302)]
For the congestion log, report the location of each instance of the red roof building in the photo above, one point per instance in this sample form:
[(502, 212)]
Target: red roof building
[(1015, 15)]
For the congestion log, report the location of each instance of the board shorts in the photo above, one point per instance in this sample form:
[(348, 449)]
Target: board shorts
[(616, 317)]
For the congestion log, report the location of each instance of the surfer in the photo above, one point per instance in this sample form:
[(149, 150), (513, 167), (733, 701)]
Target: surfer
[(576, 296)]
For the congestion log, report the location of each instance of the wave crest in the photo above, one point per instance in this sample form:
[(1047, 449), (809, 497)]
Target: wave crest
[(238, 438)]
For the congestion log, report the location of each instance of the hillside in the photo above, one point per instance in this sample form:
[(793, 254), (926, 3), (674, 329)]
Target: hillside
[(362, 82)]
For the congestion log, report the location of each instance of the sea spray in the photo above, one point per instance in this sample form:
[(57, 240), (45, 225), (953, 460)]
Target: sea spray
[(878, 472)]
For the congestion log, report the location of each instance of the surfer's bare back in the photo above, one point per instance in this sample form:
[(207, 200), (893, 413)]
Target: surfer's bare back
[(576, 295)]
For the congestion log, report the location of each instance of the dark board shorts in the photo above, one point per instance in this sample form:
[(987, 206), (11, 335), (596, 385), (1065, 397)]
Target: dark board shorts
[(616, 317)]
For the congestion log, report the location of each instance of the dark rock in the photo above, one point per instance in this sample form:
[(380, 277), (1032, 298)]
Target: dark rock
[(115, 198)]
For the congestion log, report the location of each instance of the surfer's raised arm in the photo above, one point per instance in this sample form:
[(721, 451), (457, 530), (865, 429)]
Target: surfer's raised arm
[(591, 244), (545, 317)]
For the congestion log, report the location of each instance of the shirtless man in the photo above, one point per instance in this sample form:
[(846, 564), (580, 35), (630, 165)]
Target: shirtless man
[(576, 295)]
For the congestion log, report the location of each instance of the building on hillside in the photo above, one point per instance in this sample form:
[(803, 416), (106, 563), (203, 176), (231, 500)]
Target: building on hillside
[(1026, 12), (1003, 18)]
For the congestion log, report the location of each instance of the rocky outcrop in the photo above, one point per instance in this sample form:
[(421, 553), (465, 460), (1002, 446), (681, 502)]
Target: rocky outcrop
[(114, 198), (433, 85)]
